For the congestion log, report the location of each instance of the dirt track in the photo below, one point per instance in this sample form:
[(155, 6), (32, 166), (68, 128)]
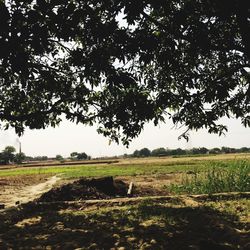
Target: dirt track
[(12, 194), (22, 189)]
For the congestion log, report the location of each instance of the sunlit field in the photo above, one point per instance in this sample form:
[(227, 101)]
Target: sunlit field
[(178, 203), (135, 166)]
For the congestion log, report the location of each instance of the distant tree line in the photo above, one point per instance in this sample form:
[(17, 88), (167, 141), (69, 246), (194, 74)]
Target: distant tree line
[(9, 156), (37, 158), (158, 152), (73, 156)]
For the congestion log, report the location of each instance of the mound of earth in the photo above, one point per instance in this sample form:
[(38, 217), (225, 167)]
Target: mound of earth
[(86, 189)]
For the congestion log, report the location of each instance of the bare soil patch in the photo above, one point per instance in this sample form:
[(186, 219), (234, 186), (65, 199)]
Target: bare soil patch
[(109, 187), (25, 188), (85, 189), (21, 189), (152, 185), (158, 223)]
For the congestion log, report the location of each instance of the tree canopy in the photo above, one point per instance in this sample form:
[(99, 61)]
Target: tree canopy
[(122, 63), (79, 156), (144, 152), (7, 155)]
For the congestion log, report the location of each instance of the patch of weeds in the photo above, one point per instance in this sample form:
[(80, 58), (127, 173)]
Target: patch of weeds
[(156, 213), (239, 208), (233, 178)]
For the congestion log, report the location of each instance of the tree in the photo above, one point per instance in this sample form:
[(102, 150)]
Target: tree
[(184, 60), (73, 155), (19, 158), (215, 151), (7, 155), (144, 152), (159, 152), (82, 156), (178, 151), (203, 150), (42, 158), (244, 150), (228, 150), (59, 158), (136, 153), (79, 156)]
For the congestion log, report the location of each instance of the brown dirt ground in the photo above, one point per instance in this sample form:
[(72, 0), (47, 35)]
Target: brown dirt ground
[(166, 222), (158, 223), (152, 185), (25, 188)]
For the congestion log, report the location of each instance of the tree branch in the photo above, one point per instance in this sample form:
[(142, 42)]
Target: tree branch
[(60, 44), (244, 25)]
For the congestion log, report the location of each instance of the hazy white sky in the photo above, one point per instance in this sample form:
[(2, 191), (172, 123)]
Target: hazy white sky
[(69, 137)]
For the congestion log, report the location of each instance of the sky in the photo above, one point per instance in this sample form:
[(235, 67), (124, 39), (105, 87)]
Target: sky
[(69, 137)]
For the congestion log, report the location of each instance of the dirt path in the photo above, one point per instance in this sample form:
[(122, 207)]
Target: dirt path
[(27, 193), (21, 189)]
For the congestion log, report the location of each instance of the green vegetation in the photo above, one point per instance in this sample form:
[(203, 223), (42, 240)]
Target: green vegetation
[(164, 60), (234, 177), (140, 223), (129, 169), (79, 156), (8, 156), (199, 175), (178, 152), (104, 170), (59, 158)]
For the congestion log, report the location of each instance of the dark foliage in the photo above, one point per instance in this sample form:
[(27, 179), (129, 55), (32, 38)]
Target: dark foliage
[(183, 60), (159, 152), (7, 155), (144, 152), (79, 156)]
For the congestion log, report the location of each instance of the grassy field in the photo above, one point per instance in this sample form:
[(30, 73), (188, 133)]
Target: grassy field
[(198, 222), (132, 167), (230, 177)]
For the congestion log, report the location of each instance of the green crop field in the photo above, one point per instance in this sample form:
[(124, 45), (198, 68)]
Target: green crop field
[(207, 174), (132, 167)]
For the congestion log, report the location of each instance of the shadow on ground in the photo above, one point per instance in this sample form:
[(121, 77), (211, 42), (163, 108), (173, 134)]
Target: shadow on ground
[(147, 225)]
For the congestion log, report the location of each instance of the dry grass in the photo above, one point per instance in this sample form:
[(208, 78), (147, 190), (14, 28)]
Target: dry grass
[(145, 224), (172, 160)]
